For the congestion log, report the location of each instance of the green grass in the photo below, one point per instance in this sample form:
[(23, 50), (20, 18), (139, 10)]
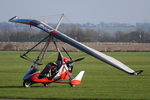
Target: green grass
[(101, 81)]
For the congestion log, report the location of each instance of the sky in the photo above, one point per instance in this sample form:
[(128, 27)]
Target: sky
[(79, 11)]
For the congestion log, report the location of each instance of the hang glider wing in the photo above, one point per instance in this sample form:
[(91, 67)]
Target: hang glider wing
[(99, 55)]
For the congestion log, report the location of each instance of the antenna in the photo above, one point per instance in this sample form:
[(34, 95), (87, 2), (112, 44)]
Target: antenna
[(59, 21)]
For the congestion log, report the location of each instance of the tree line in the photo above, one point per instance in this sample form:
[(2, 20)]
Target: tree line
[(24, 34)]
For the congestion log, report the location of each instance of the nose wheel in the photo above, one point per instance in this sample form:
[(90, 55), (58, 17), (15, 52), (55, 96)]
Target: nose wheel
[(27, 83)]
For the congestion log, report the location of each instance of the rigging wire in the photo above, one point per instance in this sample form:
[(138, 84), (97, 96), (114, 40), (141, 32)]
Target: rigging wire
[(52, 17)]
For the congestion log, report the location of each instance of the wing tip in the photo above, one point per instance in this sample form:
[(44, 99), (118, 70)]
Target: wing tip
[(137, 72), (10, 20)]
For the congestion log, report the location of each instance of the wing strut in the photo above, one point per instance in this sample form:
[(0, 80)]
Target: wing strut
[(41, 55)]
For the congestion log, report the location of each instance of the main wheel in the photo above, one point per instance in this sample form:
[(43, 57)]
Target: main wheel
[(27, 83), (72, 85), (46, 84)]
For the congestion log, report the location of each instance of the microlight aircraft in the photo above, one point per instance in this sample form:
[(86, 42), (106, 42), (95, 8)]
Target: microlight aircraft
[(63, 71)]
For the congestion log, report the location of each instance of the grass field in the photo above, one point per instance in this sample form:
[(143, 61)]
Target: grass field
[(101, 81)]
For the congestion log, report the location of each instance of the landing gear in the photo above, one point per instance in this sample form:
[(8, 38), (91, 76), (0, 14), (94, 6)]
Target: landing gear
[(46, 84), (27, 83), (72, 85)]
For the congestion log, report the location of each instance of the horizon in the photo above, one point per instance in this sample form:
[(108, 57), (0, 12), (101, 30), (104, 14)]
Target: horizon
[(92, 11)]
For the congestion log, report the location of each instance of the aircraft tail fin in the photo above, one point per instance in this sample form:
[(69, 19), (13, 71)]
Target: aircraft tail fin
[(77, 79)]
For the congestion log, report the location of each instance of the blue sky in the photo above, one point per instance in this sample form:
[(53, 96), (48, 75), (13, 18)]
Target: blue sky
[(79, 11)]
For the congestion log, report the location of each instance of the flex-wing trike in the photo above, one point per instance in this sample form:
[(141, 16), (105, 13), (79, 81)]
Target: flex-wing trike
[(53, 32), (55, 72)]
